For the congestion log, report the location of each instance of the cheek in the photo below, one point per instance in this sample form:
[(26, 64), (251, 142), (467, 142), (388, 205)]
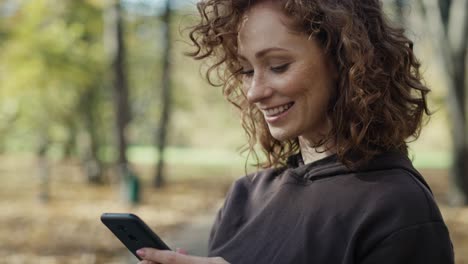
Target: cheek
[(293, 85), (244, 86)]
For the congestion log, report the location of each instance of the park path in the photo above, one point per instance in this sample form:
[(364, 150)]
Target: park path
[(193, 237)]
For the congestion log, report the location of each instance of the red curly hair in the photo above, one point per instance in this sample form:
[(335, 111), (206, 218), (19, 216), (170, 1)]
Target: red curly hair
[(380, 100)]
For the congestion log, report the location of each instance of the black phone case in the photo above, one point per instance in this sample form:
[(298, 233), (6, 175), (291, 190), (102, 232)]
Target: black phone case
[(132, 232)]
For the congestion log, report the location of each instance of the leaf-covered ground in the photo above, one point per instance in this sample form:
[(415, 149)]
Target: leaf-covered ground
[(67, 228)]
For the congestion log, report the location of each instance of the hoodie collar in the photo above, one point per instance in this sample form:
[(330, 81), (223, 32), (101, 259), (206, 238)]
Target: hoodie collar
[(330, 166)]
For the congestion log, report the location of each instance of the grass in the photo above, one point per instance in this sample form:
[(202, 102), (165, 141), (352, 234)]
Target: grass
[(192, 156), (224, 158), (431, 159)]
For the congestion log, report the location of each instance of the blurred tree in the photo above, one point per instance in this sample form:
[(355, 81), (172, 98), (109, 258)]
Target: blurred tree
[(89, 107), (89, 100), (449, 29), (399, 10), (9, 113), (116, 48), (53, 71), (165, 95), (53, 60), (43, 167)]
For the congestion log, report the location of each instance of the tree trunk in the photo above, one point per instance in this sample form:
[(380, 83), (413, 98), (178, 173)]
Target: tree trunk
[(43, 168), (444, 8), (458, 36), (166, 98), (120, 84), (91, 162), (69, 148), (449, 30), (116, 47)]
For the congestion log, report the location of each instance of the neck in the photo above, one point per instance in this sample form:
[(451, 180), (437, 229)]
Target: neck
[(311, 154)]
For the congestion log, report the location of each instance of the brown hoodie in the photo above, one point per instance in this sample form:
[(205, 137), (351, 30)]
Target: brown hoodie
[(323, 213)]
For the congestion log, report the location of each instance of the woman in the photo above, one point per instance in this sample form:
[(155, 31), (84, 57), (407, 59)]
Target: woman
[(332, 93)]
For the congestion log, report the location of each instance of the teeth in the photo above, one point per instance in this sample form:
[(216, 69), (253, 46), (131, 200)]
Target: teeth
[(277, 110)]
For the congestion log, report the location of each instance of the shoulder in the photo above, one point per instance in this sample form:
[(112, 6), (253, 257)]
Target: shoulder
[(391, 207), (257, 178), (254, 178), (393, 198), (402, 219), (391, 202), (243, 187), (263, 175), (398, 193)]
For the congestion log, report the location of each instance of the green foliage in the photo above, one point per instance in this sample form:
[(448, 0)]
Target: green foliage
[(55, 82), (52, 56)]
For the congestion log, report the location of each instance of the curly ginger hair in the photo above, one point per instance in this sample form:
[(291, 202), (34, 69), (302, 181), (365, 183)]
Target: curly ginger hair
[(380, 98)]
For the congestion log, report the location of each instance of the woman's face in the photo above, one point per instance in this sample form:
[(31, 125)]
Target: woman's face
[(286, 75)]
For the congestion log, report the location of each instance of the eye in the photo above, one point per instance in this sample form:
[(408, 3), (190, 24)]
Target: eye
[(281, 68), (247, 73)]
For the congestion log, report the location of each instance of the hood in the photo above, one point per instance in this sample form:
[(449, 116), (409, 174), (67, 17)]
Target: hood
[(330, 166)]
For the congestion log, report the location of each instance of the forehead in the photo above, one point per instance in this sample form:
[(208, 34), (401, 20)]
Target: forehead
[(264, 25), (263, 14)]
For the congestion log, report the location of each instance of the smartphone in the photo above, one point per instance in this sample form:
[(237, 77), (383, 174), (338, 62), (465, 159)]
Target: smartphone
[(132, 232)]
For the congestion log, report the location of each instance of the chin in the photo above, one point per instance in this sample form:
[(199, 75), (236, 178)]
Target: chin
[(281, 135)]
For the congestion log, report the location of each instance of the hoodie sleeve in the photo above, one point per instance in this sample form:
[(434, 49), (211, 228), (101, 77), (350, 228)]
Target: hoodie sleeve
[(427, 243)]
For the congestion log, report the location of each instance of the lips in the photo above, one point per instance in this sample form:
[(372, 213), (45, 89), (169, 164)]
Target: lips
[(278, 110)]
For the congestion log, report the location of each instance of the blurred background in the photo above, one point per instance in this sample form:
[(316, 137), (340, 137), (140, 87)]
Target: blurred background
[(101, 111)]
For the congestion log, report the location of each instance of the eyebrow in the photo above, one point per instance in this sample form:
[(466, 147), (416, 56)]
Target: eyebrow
[(262, 53)]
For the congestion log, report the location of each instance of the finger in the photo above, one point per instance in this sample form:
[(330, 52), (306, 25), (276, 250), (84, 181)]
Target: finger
[(147, 262), (181, 251), (171, 257)]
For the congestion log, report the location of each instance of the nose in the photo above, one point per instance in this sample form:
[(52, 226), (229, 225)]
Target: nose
[(258, 89)]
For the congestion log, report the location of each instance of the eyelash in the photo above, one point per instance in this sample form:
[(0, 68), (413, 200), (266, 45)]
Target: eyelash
[(247, 73), (277, 69), (281, 68)]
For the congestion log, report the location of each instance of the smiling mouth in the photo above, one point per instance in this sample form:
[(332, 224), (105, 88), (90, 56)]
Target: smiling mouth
[(276, 111)]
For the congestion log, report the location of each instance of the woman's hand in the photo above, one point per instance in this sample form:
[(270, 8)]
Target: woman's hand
[(154, 256)]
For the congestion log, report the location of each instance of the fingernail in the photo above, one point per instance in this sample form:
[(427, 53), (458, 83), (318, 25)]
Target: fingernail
[(141, 252)]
